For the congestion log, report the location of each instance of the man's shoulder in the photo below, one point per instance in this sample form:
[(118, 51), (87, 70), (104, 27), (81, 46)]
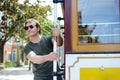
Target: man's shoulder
[(47, 37), (27, 45)]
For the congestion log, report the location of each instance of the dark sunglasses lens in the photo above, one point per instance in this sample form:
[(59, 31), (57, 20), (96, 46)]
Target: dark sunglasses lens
[(31, 26), (26, 28)]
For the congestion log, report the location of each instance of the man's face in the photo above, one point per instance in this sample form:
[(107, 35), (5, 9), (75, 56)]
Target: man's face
[(31, 29)]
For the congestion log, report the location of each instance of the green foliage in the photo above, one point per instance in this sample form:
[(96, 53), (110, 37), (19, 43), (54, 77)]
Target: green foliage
[(16, 13), (10, 64)]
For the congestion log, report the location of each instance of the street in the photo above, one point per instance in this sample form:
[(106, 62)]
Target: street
[(17, 73)]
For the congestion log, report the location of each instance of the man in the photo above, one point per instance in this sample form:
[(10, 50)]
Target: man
[(40, 50)]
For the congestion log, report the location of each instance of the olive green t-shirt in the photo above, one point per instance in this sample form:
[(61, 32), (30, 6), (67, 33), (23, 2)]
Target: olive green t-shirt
[(43, 47)]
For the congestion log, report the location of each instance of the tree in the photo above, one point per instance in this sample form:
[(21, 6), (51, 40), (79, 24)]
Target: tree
[(14, 15)]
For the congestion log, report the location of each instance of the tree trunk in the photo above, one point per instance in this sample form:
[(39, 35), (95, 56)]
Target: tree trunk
[(1, 53)]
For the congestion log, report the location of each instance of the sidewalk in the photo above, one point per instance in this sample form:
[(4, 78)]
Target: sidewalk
[(17, 73)]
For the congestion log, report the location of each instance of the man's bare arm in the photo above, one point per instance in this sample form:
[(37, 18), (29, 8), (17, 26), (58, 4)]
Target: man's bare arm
[(37, 59)]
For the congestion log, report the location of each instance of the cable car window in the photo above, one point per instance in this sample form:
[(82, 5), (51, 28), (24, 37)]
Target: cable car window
[(98, 21)]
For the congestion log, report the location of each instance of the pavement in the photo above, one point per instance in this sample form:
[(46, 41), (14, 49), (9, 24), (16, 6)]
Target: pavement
[(16, 73)]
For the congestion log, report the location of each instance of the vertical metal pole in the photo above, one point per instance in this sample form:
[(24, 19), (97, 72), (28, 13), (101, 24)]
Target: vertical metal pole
[(55, 43), (59, 56)]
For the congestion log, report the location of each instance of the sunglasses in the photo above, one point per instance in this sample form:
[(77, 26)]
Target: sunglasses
[(27, 27)]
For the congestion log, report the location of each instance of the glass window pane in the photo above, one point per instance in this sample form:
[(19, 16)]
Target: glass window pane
[(98, 21)]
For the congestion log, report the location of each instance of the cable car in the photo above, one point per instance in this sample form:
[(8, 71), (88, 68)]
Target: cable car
[(92, 39)]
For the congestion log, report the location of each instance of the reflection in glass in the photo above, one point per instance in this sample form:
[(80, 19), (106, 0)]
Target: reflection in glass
[(98, 21)]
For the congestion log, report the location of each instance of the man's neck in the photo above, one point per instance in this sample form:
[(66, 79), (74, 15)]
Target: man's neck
[(36, 39)]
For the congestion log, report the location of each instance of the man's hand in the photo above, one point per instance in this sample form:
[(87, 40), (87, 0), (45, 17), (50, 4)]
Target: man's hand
[(52, 56), (56, 32)]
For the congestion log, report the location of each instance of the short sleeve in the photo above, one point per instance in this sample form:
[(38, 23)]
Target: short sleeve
[(27, 50)]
